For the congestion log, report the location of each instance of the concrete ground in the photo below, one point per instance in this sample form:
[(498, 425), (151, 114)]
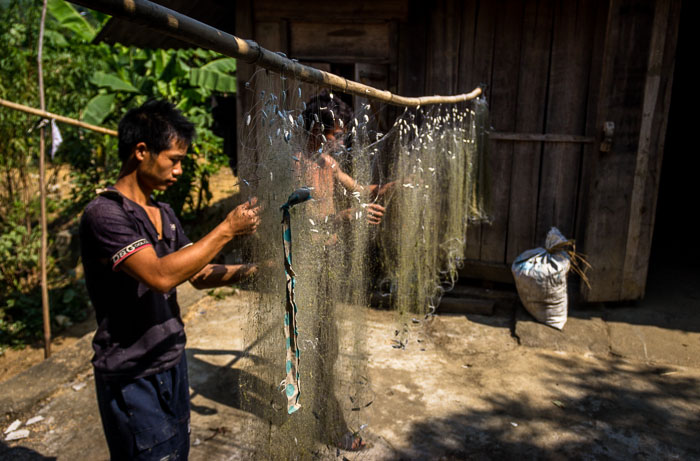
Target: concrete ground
[(616, 383)]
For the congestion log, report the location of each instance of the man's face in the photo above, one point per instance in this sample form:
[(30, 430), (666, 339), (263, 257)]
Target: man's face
[(161, 171)]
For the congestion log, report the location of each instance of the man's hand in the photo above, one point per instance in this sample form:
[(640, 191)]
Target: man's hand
[(375, 213), (245, 218)]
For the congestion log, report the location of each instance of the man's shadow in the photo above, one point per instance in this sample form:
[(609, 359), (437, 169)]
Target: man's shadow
[(237, 388), (233, 386)]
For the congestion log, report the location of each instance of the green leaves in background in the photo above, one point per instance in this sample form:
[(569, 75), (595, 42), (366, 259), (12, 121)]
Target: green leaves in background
[(180, 76), (98, 108), (97, 83), (112, 81), (215, 76), (70, 19)]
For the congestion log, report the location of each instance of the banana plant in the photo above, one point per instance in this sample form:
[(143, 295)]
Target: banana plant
[(187, 76), (69, 18), (136, 75)]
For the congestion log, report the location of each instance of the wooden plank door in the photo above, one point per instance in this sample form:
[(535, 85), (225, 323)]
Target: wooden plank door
[(635, 91), (538, 59)]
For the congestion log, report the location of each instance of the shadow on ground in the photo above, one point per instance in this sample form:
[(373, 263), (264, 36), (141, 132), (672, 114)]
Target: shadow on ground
[(225, 383), (613, 410), (22, 454)]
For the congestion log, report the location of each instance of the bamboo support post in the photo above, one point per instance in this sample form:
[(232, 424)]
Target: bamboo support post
[(58, 118), (42, 192), (197, 33)]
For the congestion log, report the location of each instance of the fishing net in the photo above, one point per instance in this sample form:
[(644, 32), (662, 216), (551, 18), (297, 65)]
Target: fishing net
[(427, 170)]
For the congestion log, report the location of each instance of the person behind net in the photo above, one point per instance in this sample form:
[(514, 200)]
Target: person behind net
[(326, 119), (135, 253)]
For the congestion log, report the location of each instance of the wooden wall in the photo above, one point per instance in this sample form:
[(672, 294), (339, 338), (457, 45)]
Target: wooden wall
[(555, 71), (537, 59), (635, 94)]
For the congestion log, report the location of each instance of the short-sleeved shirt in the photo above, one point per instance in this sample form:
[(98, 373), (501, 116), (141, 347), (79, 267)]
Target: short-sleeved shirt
[(139, 331)]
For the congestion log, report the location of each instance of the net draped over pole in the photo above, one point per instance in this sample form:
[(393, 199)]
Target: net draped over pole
[(427, 171)]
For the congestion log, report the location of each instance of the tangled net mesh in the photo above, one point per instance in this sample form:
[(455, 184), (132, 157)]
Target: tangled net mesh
[(429, 168)]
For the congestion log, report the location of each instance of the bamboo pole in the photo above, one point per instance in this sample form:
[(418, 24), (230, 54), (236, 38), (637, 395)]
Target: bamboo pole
[(58, 118), (184, 28), (42, 193)]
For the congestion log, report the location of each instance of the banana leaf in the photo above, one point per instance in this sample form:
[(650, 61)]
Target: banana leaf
[(98, 108), (69, 18), (215, 76), (112, 82)]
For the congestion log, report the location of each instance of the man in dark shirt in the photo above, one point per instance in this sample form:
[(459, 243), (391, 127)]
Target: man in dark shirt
[(135, 253)]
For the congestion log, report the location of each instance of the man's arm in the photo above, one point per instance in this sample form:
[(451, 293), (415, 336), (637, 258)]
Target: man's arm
[(164, 274)]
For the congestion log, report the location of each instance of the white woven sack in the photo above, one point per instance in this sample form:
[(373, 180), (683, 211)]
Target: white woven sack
[(540, 277)]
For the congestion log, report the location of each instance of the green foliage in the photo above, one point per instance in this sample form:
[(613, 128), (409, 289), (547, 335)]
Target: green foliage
[(98, 84), (131, 76), (70, 19), (113, 82), (213, 76), (98, 108)]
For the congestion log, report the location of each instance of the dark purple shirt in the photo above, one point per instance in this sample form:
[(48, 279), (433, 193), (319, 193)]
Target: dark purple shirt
[(139, 331)]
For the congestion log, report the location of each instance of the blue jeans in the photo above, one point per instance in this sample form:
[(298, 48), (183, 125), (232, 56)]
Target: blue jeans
[(146, 418)]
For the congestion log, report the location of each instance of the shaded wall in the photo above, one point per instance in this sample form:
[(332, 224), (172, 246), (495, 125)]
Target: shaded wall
[(555, 72)]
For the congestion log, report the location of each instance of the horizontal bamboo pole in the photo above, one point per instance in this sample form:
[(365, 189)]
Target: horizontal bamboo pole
[(197, 33), (58, 118)]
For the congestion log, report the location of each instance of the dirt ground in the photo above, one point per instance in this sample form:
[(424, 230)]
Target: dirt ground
[(470, 389), (15, 361)]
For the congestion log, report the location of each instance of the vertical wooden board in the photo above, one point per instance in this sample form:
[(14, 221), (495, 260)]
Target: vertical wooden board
[(393, 55), (284, 33), (588, 162), (626, 51), (657, 98), (566, 113), (392, 112), (475, 67), (412, 50), (599, 73), (267, 34), (530, 118), (504, 88), (443, 47)]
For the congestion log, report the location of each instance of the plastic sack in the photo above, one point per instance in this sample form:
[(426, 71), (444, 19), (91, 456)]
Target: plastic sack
[(540, 278)]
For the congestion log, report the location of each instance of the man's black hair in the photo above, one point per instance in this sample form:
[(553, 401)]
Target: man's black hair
[(328, 110), (156, 123)]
